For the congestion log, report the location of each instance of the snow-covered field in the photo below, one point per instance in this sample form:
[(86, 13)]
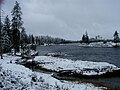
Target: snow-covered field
[(82, 67), (18, 77)]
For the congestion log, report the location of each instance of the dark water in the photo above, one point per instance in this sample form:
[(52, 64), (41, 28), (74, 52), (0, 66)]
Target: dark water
[(75, 52)]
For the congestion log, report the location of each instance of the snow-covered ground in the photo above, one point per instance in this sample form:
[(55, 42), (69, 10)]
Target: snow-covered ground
[(100, 44), (58, 54), (81, 67), (31, 53), (18, 77)]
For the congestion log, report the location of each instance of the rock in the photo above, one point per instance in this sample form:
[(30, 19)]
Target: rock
[(10, 61), (1, 74), (13, 81), (1, 86), (34, 79)]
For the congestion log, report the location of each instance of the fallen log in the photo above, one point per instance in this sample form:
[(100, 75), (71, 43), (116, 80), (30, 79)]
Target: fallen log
[(69, 73)]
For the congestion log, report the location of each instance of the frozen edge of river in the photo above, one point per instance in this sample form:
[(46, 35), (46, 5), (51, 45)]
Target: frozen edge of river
[(81, 67)]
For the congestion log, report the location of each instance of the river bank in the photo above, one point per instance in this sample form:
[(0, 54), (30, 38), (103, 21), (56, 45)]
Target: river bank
[(40, 61), (15, 76), (75, 52)]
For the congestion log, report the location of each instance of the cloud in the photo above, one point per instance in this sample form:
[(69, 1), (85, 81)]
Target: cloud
[(70, 18)]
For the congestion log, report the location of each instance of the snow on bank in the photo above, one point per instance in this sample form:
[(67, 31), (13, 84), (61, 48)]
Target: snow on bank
[(100, 44), (18, 77), (82, 67), (57, 54)]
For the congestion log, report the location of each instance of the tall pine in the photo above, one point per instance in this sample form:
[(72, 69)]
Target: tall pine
[(23, 39), (85, 38), (6, 35), (16, 26), (116, 37)]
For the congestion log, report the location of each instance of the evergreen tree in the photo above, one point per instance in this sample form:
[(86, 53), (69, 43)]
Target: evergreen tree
[(32, 39), (1, 1), (1, 51), (85, 38), (8, 28), (6, 35), (116, 37), (36, 40), (23, 38), (16, 26)]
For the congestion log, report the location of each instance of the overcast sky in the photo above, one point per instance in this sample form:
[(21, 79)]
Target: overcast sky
[(69, 19)]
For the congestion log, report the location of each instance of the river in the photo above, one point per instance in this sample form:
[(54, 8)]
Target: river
[(75, 52)]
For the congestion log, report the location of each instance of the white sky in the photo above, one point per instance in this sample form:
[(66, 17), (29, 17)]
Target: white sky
[(69, 19)]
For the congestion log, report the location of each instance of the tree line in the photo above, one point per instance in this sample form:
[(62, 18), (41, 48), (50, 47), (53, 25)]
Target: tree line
[(86, 39)]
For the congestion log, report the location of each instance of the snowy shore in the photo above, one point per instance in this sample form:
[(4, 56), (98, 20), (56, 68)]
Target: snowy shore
[(101, 44), (80, 67), (17, 77)]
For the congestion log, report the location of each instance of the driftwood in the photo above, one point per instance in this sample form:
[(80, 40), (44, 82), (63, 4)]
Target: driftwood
[(69, 73)]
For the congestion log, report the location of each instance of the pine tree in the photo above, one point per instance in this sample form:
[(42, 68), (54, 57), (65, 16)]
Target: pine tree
[(8, 27), (116, 37), (32, 39), (36, 40), (1, 1), (1, 52), (16, 26), (23, 38), (6, 35), (85, 38)]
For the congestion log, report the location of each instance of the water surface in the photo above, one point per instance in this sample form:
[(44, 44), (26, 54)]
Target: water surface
[(75, 52)]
